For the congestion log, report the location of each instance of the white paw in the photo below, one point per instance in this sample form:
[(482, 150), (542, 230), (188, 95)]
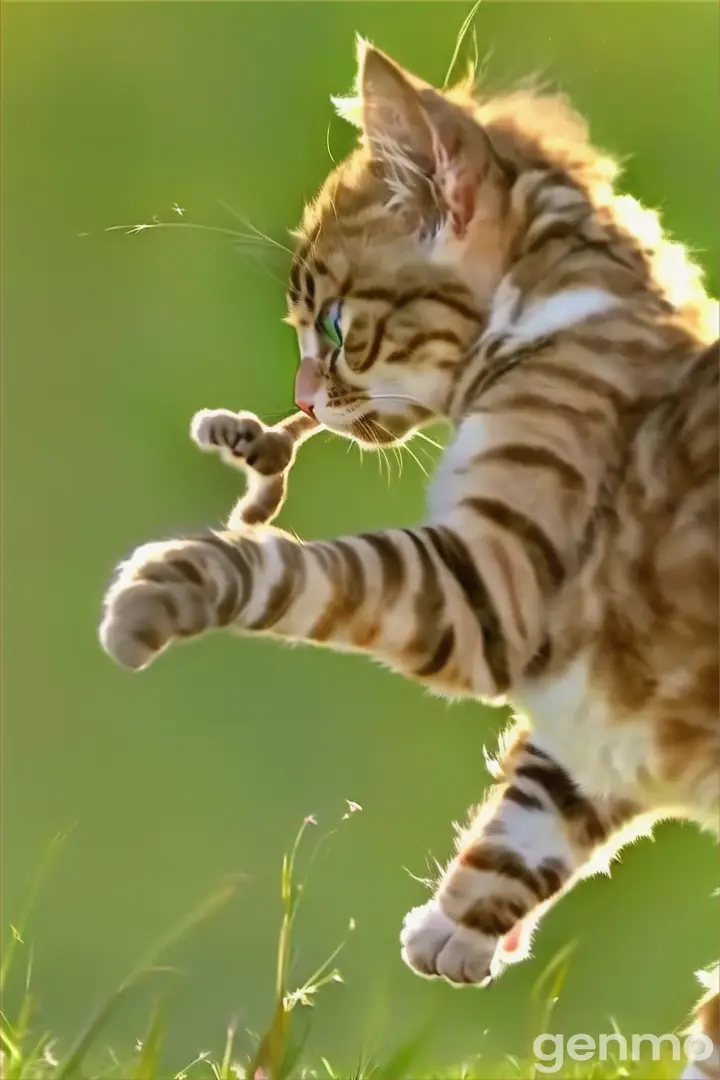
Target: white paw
[(433, 945), (221, 430), (156, 597), (136, 627), (242, 441)]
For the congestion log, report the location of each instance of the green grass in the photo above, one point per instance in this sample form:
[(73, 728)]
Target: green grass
[(30, 1052)]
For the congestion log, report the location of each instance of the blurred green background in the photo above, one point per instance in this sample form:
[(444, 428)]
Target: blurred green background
[(113, 113)]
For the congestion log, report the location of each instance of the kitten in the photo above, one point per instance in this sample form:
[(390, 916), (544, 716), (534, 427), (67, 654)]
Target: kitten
[(472, 261)]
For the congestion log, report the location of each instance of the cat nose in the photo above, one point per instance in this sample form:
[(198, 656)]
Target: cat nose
[(307, 384)]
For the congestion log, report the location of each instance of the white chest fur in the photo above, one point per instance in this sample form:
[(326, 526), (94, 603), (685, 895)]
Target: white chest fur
[(607, 757), (450, 481)]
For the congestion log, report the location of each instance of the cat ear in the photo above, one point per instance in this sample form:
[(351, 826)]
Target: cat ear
[(376, 75), (393, 118), (413, 131)]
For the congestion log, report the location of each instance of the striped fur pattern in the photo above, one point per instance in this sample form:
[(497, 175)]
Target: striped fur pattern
[(472, 261)]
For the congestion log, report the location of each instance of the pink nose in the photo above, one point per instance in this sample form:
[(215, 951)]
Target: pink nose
[(307, 384)]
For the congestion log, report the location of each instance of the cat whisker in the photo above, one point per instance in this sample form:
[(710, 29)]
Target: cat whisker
[(267, 270), (327, 144), (360, 450), (399, 397), (382, 463), (241, 240), (278, 415), (381, 458), (404, 446), (386, 459), (415, 458), (257, 233), (426, 438), (133, 230)]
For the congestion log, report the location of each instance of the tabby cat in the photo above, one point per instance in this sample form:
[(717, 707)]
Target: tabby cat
[(472, 261)]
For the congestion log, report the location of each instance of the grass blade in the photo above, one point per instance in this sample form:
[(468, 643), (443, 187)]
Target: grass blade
[(467, 23), (148, 966), (31, 895), (399, 1063), (226, 1062), (147, 1064)]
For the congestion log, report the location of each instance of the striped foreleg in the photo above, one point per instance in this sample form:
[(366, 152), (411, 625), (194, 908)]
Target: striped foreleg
[(414, 598)]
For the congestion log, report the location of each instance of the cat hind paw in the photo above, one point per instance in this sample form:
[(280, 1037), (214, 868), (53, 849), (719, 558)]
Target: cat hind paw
[(436, 947)]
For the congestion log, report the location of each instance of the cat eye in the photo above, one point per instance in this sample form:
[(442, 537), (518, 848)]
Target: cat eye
[(329, 323)]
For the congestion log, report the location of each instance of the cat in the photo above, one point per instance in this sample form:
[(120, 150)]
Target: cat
[(472, 261)]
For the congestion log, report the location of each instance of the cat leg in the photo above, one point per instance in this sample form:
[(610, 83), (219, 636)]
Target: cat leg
[(704, 1048), (244, 441), (264, 454), (520, 851), (459, 604), (410, 597)]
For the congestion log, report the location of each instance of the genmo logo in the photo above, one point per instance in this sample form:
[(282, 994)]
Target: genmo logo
[(552, 1051)]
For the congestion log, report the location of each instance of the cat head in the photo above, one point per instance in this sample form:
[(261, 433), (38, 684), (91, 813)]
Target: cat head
[(400, 253), (377, 292)]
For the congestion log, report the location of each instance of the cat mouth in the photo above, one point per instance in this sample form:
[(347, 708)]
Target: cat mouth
[(365, 427), (361, 421), (348, 418)]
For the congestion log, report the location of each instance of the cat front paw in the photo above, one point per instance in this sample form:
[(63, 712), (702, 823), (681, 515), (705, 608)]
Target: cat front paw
[(242, 440), (160, 593), (435, 946)]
